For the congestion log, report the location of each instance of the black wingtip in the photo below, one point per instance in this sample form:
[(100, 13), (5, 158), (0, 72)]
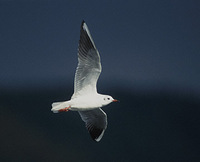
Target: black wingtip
[(95, 133), (82, 23)]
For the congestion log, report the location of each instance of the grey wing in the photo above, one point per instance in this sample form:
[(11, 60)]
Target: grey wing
[(96, 122), (89, 66)]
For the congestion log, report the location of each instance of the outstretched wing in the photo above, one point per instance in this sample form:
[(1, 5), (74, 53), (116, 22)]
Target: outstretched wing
[(89, 66), (96, 122)]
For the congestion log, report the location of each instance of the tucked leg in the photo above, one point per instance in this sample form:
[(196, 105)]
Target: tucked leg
[(64, 110)]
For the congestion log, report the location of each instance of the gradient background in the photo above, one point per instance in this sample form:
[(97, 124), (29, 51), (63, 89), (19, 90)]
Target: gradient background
[(150, 53)]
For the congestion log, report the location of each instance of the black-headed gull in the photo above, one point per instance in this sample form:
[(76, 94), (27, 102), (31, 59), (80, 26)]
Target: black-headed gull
[(85, 99)]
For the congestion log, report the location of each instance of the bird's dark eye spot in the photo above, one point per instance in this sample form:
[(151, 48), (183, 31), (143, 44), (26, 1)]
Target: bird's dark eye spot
[(108, 98)]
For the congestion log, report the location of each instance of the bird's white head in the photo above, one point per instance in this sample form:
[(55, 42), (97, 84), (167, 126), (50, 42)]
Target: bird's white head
[(106, 99)]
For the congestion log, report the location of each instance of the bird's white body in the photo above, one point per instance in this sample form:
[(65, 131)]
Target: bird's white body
[(83, 103)]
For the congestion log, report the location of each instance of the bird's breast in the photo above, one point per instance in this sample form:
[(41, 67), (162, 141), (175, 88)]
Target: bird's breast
[(84, 103)]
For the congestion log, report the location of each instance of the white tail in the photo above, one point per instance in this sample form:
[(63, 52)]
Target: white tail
[(56, 106)]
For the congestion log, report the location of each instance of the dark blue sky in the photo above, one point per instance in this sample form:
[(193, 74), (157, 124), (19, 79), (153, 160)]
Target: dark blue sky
[(147, 46), (142, 43)]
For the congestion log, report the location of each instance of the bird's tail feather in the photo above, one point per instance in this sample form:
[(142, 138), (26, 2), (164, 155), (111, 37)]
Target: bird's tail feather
[(56, 106)]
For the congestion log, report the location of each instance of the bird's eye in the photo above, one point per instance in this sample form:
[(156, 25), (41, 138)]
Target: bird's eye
[(108, 98)]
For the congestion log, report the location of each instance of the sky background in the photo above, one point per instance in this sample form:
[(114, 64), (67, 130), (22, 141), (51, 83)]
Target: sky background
[(143, 44), (150, 53)]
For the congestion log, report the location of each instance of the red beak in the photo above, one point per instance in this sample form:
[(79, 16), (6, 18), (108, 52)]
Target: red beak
[(114, 100)]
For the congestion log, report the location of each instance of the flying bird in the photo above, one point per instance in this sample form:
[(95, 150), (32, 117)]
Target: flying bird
[(85, 99)]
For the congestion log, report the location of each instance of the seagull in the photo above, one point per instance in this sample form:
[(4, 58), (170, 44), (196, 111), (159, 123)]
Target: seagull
[(85, 99)]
